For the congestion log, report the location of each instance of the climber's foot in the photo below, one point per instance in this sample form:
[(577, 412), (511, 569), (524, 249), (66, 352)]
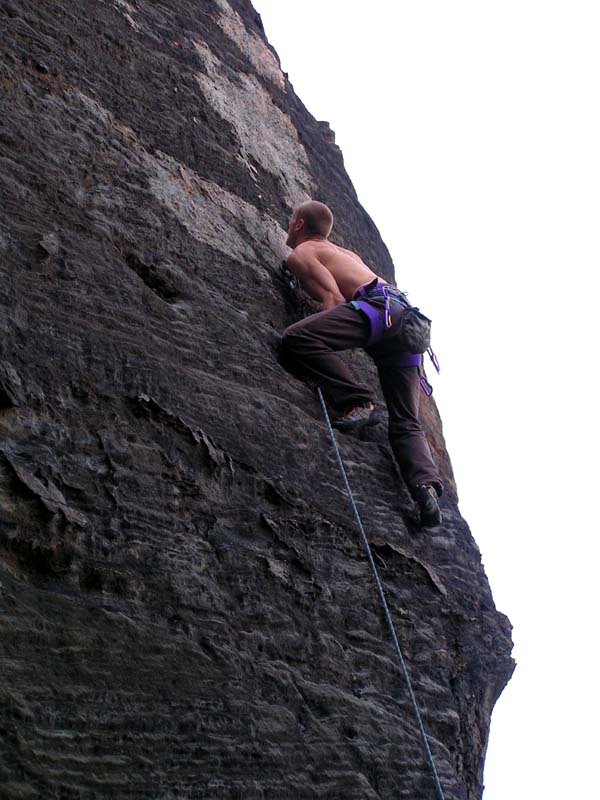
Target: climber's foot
[(427, 500), (356, 418)]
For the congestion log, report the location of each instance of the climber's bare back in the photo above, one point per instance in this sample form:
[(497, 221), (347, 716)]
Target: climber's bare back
[(329, 273)]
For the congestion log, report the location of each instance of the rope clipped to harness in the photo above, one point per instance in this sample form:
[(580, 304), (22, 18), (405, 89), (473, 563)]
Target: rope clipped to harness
[(438, 787)]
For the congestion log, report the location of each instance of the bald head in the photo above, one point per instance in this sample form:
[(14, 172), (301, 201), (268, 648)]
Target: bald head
[(309, 220), (318, 219)]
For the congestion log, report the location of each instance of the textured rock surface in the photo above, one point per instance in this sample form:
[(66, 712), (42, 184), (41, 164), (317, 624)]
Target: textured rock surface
[(185, 607)]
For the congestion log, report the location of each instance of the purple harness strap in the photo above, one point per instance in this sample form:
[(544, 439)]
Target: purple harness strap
[(377, 321), (408, 359), (371, 291)]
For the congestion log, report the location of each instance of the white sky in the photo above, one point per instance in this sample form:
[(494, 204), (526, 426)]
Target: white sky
[(471, 131)]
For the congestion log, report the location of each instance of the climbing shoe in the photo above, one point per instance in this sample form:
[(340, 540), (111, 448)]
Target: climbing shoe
[(426, 497), (357, 418)]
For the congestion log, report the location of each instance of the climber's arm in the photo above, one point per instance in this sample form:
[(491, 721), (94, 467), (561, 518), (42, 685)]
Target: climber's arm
[(315, 279)]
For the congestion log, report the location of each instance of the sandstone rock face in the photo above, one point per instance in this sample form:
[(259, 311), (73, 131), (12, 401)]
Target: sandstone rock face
[(186, 610)]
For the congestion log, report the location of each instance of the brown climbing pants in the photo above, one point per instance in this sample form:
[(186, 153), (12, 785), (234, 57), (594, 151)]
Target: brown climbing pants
[(309, 351)]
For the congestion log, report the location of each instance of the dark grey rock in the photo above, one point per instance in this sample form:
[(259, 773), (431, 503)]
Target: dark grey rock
[(186, 609), (11, 388)]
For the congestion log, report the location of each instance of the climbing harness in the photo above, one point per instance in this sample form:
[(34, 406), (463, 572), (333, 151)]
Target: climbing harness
[(367, 547), (413, 329)]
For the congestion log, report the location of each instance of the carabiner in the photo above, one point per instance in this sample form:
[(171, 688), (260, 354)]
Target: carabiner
[(388, 315), (426, 386), (434, 360)]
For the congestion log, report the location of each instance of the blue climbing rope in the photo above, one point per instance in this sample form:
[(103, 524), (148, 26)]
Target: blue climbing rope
[(367, 547)]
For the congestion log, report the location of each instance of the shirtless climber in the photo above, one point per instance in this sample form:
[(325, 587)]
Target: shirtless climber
[(332, 275)]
